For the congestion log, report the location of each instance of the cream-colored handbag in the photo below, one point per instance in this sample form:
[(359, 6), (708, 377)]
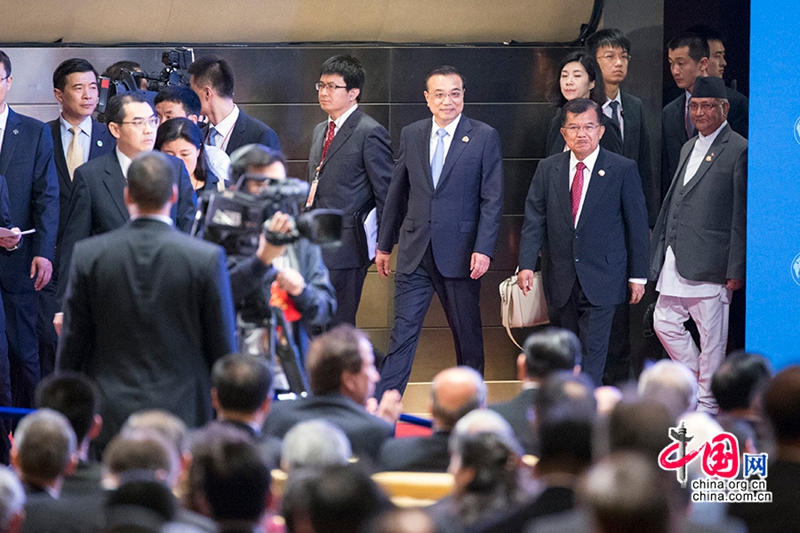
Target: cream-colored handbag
[(521, 311)]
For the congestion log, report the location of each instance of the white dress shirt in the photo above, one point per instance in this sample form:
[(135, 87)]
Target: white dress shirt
[(620, 118), (448, 139), (225, 128)]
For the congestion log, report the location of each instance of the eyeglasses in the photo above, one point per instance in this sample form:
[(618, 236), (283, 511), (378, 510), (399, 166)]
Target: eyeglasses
[(454, 95), (4, 79), (611, 58), (705, 106), (140, 123), (588, 128), (330, 86)]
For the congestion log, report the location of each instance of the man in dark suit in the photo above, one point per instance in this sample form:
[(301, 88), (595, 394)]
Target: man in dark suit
[(77, 138), (688, 59), (147, 309), (342, 375), (698, 248), (444, 206), (349, 166), (98, 204), (544, 352), (592, 230), (229, 127), (454, 393), (26, 161)]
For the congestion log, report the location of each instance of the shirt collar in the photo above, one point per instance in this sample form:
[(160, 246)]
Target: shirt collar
[(4, 116), (617, 99), (124, 162), (226, 124), (589, 160), (160, 218), (712, 136), (85, 125), (450, 128), (343, 117)]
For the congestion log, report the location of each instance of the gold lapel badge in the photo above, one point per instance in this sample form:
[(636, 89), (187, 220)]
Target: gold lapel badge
[(464, 139), (601, 172)]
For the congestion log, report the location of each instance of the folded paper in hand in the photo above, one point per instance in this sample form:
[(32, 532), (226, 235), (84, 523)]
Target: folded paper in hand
[(5, 232)]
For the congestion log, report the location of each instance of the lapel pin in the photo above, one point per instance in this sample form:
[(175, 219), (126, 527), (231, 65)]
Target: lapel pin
[(16, 132), (708, 157), (464, 139), (601, 172), (99, 143)]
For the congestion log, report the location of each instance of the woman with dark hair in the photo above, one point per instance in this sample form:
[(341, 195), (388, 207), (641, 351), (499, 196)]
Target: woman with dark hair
[(180, 137), (580, 77)]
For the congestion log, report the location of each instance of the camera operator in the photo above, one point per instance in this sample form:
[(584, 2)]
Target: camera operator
[(291, 277)]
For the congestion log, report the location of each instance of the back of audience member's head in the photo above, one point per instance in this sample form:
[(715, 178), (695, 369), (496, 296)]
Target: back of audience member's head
[(703, 427), (241, 383), (44, 447), (12, 501), (314, 443), (483, 421), (166, 424), (139, 506), (670, 383), (550, 350), (73, 395), (565, 410), (150, 184), (454, 393), (179, 94), (343, 498), (488, 466), (626, 493), (140, 454), (332, 354), (402, 520), (739, 381), (635, 425), (782, 406)]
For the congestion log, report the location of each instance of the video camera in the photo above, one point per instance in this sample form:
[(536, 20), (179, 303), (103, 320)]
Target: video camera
[(235, 219), (176, 63)]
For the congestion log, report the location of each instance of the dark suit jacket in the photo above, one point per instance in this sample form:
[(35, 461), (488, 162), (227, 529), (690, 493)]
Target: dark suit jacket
[(69, 514), (712, 217), (551, 501), (148, 311), (365, 431), (783, 513), (515, 411), (636, 146), (673, 131), (101, 143), (249, 130), (26, 161), (356, 172), (610, 243), (461, 216), (611, 139), (416, 454), (98, 206)]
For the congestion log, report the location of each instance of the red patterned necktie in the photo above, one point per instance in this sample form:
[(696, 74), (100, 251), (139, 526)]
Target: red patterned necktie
[(328, 140), (577, 189)]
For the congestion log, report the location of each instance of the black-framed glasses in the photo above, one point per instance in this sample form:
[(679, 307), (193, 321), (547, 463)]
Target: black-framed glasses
[(4, 79), (140, 123), (330, 86), (705, 106)]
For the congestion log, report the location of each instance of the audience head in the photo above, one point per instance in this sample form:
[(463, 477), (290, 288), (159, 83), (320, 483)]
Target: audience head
[(782, 406), (548, 351), (44, 448), (314, 443), (483, 421), (454, 393), (688, 59), (716, 48), (343, 498), (181, 138), (211, 78), (704, 428), (637, 425), (341, 81), (670, 383), (256, 160), (579, 76), (150, 186), (132, 122), (739, 382), (140, 454), (75, 88), (12, 501), (139, 506), (241, 384), (342, 361), (76, 397), (177, 102)]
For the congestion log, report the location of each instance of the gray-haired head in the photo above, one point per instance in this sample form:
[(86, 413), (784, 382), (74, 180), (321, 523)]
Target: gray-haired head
[(44, 445), (483, 421), (670, 383), (12, 498), (314, 443)]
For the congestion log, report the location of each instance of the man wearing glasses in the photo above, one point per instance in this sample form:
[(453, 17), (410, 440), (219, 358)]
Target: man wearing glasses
[(97, 204), (443, 210), (586, 212), (349, 168)]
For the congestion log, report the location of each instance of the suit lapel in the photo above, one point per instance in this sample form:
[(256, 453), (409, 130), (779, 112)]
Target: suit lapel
[(344, 133), (10, 138), (58, 154), (708, 160), (99, 137), (424, 147), (316, 145), (457, 146), (237, 135), (632, 118), (114, 182), (562, 186)]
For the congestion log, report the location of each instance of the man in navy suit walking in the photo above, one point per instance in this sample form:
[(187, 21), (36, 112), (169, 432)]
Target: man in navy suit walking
[(586, 212), (443, 210)]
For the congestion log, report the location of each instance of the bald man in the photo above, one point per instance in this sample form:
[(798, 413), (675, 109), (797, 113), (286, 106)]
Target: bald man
[(454, 393)]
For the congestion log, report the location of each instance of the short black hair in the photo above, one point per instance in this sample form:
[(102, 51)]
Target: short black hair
[(331, 354), (73, 395), (242, 382), (592, 68), (115, 109), (706, 32), (698, 46), (550, 350), (214, 72), (739, 379), (344, 498), (608, 37), (6, 61), (150, 180), (236, 480), (122, 69), (349, 68), (71, 66), (578, 106), (445, 70), (180, 95), (184, 129), (252, 155)]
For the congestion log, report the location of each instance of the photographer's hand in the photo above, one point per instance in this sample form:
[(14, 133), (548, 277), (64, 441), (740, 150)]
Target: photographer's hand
[(267, 252), (291, 281)]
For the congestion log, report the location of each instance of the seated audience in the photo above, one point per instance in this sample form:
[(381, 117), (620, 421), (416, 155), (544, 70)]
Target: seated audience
[(174, 432), (180, 137), (544, 352), (43, 453), (454, 393), (314, 444), (342, 374), (12, 500), (140, 507), (670, 383)]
